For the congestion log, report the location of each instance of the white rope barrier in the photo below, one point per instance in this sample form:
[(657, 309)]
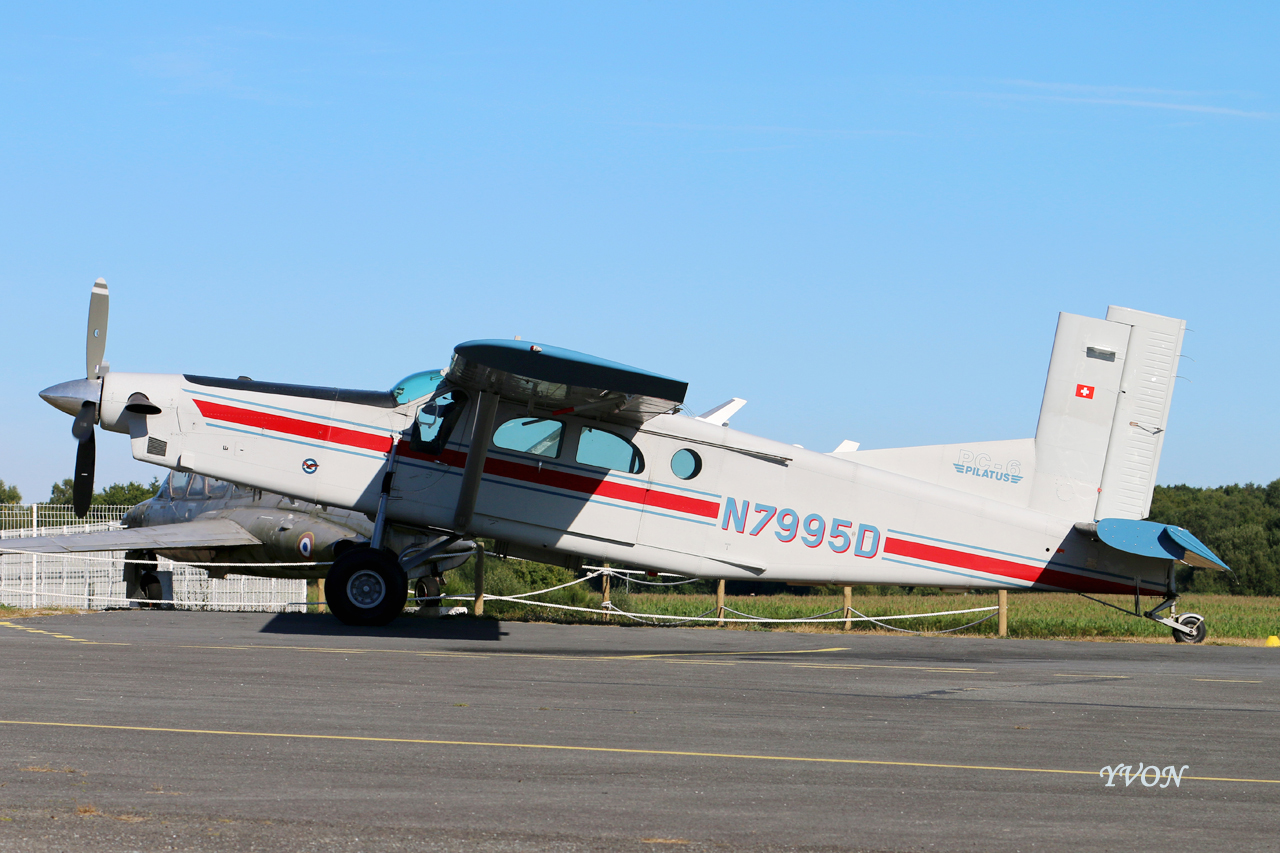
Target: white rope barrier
[(613, 611), (156, 562), (608, 608), (154, 602), (650, 618)]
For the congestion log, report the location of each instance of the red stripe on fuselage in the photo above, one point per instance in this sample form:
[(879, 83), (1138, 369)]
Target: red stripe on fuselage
[(1004, 568), (294, 426)]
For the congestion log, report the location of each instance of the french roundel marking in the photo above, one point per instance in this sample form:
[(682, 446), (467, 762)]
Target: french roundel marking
[(306, 544), (310, 466)]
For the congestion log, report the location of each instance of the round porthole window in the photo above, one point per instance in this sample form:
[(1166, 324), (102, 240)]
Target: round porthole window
[(686, 464)]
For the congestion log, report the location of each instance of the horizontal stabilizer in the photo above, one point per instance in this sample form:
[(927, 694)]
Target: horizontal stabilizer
[(203, 533), (991, 469), (1152, 539)]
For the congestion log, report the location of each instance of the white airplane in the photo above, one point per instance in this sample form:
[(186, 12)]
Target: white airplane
[(560, 456)]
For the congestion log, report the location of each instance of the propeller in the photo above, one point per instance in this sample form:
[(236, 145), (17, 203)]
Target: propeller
[(95, 347), (81, 397), (86, 456)]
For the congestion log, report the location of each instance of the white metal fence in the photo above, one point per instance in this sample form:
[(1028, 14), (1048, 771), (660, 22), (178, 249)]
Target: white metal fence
[(96, 580)]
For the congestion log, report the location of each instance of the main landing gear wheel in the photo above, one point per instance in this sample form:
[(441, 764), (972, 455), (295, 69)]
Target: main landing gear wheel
[(149, 588), (1195, 622), (366, 587), (427, 587)]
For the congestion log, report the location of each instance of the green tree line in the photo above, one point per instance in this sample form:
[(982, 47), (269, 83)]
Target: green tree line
[(1242, 526), (117, 494)]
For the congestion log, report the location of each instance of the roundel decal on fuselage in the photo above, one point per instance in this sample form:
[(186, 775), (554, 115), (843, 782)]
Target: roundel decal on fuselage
[(306, 544)]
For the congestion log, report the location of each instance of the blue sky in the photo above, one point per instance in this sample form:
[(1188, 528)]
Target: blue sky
[(863, 218)]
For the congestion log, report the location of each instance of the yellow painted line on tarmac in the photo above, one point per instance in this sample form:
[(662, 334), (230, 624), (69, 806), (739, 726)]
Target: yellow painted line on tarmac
[(701, 662), (596, 749), (669, 657), (725, 654), (59, 636), (1229, 680), (962, 671), (1085, 675), (286, 648)]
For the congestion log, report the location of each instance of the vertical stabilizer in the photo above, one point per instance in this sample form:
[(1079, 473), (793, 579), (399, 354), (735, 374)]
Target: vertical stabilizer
[(1080, 394), (1142, 413)]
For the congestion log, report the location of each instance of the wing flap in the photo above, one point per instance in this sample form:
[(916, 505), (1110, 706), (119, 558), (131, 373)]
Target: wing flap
[(202, 533)]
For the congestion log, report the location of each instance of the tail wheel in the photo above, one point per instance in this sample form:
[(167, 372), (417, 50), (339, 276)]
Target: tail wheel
[(1195, 622), (366, 587)]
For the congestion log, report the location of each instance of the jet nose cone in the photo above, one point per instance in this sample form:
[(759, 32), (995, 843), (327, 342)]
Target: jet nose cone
[(69, 396)]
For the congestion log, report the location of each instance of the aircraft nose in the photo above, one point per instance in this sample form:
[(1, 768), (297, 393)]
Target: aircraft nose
[(70, 396)]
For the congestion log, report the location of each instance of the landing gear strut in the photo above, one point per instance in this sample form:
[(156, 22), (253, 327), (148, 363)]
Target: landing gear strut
[(1187, 627)]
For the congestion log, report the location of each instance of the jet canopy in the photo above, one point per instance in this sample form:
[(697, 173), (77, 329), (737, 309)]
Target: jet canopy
[(415, 386)]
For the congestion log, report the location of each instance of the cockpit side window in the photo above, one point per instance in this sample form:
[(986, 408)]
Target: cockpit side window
[(218, 488), (608, 450), (196, 489), (178, 482), (538, 436), (435, 422), (163, 494)]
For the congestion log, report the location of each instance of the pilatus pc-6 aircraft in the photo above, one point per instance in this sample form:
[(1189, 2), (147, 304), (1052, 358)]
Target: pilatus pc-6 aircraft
[(560, 456)]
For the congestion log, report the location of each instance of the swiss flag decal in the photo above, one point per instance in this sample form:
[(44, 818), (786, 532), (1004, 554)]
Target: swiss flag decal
[(1085, 391)]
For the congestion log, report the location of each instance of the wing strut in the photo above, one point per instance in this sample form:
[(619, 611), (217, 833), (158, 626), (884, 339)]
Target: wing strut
[(481, 435)]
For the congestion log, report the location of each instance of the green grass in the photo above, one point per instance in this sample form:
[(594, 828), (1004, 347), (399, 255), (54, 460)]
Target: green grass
[(1031, 615), (1036, 615), (1049, 614)]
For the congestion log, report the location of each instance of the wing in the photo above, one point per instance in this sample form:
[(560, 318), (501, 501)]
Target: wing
[(560, 381), (204, 533)]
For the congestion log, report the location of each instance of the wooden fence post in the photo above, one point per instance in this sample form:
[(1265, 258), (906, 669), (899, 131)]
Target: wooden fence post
[(479, 576), (604, 584), (1002, 598), (720, 603), (848, 607)]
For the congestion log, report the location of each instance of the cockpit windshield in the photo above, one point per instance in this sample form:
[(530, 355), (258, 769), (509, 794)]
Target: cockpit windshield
[(417, 385)]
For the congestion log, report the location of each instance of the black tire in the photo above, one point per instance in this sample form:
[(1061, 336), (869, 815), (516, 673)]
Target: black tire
[(366, 587), (427, 587), (1194, 621), (149, 588)]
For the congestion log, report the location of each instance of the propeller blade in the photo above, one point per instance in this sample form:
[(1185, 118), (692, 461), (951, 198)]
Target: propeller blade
[(82, 426), (96, 342), (82, 488)]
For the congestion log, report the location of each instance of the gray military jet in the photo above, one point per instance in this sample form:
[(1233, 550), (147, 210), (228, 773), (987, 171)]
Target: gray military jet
[(198, 519)]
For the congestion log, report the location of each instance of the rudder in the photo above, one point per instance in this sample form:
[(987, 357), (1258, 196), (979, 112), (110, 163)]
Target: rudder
[(1142, 413)]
